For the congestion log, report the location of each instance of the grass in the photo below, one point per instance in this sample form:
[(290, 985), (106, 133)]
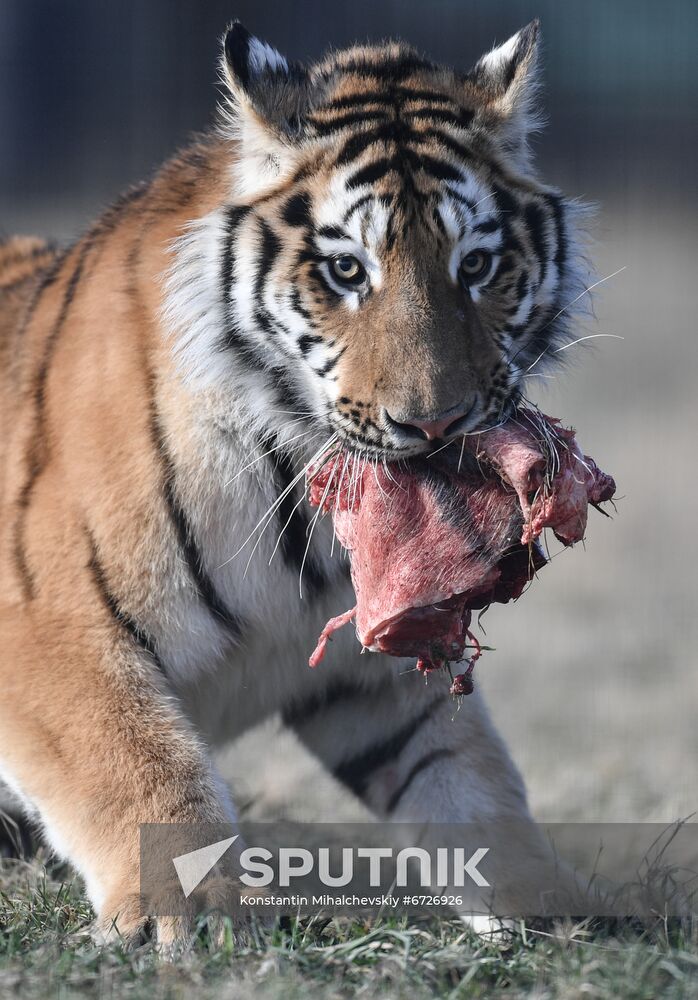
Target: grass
[(45, 950)]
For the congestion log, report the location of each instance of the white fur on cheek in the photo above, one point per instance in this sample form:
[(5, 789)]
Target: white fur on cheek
[(193, 313)]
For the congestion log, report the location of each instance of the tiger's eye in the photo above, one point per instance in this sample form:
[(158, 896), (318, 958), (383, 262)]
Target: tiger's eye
[(475, 266), (348, 269)]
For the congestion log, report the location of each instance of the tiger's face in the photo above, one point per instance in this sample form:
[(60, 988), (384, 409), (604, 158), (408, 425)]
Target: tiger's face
[(388, 259)]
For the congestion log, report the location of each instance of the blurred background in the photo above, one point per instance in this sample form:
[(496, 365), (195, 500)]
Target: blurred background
[(594, 682)]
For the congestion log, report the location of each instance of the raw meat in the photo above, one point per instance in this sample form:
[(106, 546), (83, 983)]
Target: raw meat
[(433, 539)]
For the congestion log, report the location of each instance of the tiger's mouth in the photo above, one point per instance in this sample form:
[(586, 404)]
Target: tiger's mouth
[(360, 447)]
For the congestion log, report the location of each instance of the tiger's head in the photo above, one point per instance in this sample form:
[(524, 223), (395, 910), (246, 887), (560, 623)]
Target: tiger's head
[(387, 266)]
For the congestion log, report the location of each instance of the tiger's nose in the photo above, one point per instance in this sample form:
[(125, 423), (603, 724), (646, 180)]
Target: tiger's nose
[(430, 428)]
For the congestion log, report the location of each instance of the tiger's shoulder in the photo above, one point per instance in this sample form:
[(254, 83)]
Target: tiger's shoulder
[(34, 272)]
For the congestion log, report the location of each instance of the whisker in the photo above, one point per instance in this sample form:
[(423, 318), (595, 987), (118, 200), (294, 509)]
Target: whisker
[(271, 451), (290, 518), (272, 511), (510, 361), (588, 289), (486, 198), (268, 514), (337, 499), (591, 336), (432, 453), (310, 535), (302, 413), (462, 449)]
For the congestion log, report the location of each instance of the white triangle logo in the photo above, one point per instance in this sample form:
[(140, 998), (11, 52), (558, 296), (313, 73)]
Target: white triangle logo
[(192, 868)]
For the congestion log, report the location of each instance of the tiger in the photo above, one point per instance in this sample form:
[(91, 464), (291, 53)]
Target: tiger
[(358, 254)]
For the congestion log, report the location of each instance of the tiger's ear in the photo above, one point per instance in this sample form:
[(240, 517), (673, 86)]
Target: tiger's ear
[(508, 80), (266, 100)]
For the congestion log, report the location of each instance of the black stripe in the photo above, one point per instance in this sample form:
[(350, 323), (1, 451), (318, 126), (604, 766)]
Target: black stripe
[(308, 254), (391, 231), (439, 169), (203, 584), (392, 132), (430, 96), (488, 226), (279, 327), (439, 222), (307, 342), (262, 319), (48, 279), (363, 200), (234, 217), (296, 211), (68, 297), (388, 69), (420, 766), (506, 264), (460, 151), (297, 306), (124, 620), (332, 233), (113, 216), (298, 713), (521, 288), (504, 200), (332, 363), (373, 172), (36, 459), (356, 772), (535, 220), (401, 134), (316, 274), (354, 100), (294, 525), (525, 327), (286, 392), (556, 204), (8, 287), (457, 196), (460, 119), (24, 256), (325, 128), (270, 248), (234, 340)]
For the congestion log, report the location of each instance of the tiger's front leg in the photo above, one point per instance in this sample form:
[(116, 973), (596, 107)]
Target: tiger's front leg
[(94, 743), (417, 757), (458, 783)]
